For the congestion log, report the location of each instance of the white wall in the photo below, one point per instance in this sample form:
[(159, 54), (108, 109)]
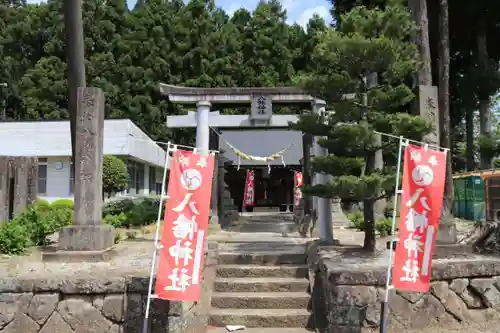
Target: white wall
[(58, 180), (262, 143), (52, 138)]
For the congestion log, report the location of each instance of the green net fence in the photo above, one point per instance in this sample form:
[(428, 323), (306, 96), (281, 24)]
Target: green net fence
[(469, 198)]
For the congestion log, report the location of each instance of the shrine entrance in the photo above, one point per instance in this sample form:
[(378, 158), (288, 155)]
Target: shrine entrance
[(265, 133), (273, 189)]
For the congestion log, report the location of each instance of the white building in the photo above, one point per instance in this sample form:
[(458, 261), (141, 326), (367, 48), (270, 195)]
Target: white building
[(50, 141)]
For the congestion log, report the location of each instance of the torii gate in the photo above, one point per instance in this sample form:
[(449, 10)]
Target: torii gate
[(261, 101)]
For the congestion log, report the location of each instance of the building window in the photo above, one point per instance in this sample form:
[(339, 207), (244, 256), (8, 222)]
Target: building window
[(139, 178), (71, 178), (152, 180), (158, 188), (131, 175), (135, 177), (42, 176)]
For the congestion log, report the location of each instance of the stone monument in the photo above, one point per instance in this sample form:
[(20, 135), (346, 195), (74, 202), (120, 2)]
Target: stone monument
[(18, 185), (88, 238)]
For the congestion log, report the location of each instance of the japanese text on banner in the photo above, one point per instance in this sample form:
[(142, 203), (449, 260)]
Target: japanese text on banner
[(299, 181), (186, 222), (249, 195), (421, 202)]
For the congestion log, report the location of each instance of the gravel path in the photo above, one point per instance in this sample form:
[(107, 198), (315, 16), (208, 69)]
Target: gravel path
[(132, 257)]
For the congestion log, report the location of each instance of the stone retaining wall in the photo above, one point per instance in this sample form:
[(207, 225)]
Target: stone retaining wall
[(347, 295), (99, 305)]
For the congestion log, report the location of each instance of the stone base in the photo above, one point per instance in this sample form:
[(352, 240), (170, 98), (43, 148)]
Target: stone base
[(214, 219), (83, 243), (86, 237), (213, 227), (447, 233), (79, 256)]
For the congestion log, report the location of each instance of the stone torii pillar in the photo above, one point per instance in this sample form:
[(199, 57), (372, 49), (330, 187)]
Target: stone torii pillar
[(323, 206), (203, 145)]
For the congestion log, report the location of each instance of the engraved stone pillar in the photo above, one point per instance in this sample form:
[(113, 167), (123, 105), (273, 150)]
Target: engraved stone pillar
[(20, 184), (32, 180), (4, 188), (88, 238)]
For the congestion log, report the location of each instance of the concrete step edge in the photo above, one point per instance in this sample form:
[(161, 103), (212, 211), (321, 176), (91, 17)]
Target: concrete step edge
[(249, 294)]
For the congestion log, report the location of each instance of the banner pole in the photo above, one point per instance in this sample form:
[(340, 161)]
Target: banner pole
[(163, 197), (384, 312)]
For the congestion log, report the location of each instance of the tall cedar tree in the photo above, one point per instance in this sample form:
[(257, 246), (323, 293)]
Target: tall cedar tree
[(367, 41)]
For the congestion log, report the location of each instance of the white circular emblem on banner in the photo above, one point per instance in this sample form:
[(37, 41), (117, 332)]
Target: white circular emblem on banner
[(422, 175), (191, 179)]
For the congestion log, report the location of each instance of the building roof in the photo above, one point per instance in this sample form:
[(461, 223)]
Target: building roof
[(52, 138)]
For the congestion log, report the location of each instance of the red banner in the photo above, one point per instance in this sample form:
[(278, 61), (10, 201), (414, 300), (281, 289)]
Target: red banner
[(299, 181), (249, 195), (421, 201), (184, 232)]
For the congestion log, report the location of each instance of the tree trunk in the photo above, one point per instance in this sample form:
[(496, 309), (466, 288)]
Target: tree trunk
[(421, 39), (369, 225), (469, 124), (447, 231), (484, 110)]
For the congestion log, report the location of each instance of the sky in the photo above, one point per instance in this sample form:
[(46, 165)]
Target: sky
[(299, 11)]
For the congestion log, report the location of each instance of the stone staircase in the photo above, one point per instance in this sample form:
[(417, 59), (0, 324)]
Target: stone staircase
[(264, 290)]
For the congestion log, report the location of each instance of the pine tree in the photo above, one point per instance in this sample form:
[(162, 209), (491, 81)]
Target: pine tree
[(367, 42)]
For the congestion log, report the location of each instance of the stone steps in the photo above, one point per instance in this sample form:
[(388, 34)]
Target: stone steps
[(261, 285), (262, 258), (266, 300), (238, 271), (260, 317), (264, 330)]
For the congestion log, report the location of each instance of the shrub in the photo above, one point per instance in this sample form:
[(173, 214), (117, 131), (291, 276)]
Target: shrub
[(63, 203), (118, 205), (33, 226), (42, 223), (357, 219), (14, 238), (117, 221), (41, 204), (114, 174), (384, 227), (139, 210)]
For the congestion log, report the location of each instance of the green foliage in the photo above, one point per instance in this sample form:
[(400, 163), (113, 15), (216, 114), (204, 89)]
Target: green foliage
[(114, 174), (14, 238), (489, 146), (384, 227), (357, 219), (367, 41), (117, 221), (41, 204), (128, 52), (63, 204), (43, 223), (137, 210), (32, 227)]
